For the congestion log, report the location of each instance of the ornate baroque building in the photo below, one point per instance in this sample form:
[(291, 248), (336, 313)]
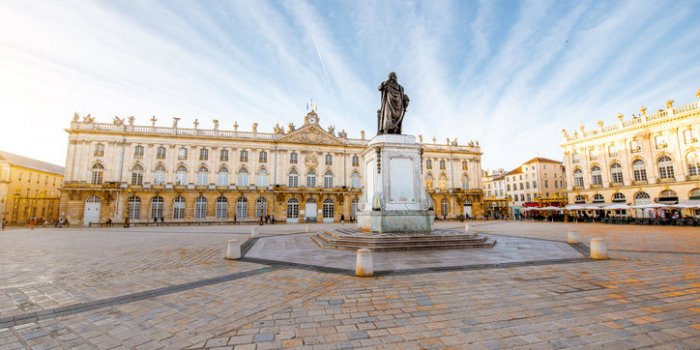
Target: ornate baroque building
[(539, 182), (28, 188), (115, 170), (651, 157)]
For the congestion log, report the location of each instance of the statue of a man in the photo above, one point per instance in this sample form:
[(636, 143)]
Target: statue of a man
[(394, 104)]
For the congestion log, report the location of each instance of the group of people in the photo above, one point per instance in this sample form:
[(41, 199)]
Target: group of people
[(264, 220)]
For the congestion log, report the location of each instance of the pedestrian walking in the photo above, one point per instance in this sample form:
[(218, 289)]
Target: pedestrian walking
[(3, 223)]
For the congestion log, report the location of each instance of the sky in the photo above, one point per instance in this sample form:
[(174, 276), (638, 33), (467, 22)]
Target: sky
[(509, 74)]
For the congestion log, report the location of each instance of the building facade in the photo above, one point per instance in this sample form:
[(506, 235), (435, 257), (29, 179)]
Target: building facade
[(496, 201), (538, 182), (28, 188), (146, 173), (639, 160)]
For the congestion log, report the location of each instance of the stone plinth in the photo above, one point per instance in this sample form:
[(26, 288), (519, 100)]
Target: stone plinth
[(395, 199)]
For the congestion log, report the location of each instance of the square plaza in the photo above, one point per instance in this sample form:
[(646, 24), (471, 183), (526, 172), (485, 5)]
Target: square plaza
[(171, 288)]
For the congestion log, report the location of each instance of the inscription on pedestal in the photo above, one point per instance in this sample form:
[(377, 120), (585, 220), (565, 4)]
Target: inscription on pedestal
[(401, 180)]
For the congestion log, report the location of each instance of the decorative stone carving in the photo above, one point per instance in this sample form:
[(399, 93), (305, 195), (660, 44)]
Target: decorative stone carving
[(132, 119), (420, 138), (175, 121), (311, 160), (235, 126), (255, 128), (643, 110), (76, 117), (362, 134), (278, 129), (118, 121), (291, 127), (342, 134), (153, 120), (216, 124), (312, 134), (669, 104), (88, 119), (331, 130)]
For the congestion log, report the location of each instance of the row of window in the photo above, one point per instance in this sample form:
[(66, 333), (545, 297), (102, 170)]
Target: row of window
[(664, 166), (442, 182), (221, 209), (223, 155), (443, 164), (30, 177), (222, 177), (639, 198), (660, 142)]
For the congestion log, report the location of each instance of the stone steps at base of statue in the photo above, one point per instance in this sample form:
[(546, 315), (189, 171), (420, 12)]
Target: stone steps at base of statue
[(328, 240)]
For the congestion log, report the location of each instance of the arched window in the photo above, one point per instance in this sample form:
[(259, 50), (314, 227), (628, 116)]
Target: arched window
[(640, 170), (137, 175), (618, 198), (328, 208), (598, 198), (200, 208), (465, 165), (465, 182), (355, 180), (443, 182), (134, 207), (138, 152), (616, 173), (694, 194), (596, 175), (693, 159), (203, 154), (99, 150), (262, 157), (668, 197), (642, 198), (429, 182), (223, 155), (355, 161), (181, 176), (310, 178), (293, 158), (261, 207), (244, 156), (222, 177), (428, 164), (97, 174), (442, 164), (329, 159), (179, 207), (293, 179), (242, 208), (262, 177), (92, 199), (580, 199), (242, 177), (292, 208), (444, 206), (328, 179), (159, 175), (578, 178), (202, 176), (160, 152), (665, 167), (221, 207), (156, 207)]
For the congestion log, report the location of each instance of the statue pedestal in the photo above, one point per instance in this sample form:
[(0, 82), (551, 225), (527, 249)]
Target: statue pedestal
[(395, 199)]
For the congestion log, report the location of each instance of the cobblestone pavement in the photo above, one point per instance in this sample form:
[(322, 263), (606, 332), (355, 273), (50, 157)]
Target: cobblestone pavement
[(182, 294)]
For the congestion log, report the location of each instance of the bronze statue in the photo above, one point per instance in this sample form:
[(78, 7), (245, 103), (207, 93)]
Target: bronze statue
[(394, 104)]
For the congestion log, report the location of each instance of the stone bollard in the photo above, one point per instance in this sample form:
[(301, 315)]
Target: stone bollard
[(253, 232), (466, 227), (363, 265), (233, 251), (307, 228), (572, 237), (599, 250)]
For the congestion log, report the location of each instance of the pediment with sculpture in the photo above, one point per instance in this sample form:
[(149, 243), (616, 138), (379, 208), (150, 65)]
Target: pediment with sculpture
[(311, 134)]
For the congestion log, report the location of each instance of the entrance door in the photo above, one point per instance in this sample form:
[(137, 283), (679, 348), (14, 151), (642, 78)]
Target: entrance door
[(310, 210), (468, 210), (92, 210)]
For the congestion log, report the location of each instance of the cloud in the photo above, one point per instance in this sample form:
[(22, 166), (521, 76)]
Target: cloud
[(509, 74)]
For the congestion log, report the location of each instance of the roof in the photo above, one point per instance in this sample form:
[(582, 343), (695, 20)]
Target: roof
[(25, 162), (518, 170), (542, 160)]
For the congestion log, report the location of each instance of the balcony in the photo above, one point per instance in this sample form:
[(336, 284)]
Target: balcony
[(596, 186), (616, 184), (665, 180), (640, 182), (692, 178)]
